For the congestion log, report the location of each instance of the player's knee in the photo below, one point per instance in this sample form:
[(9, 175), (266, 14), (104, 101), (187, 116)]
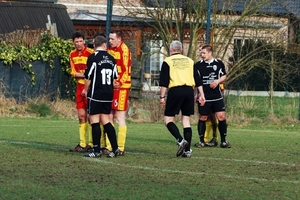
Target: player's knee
[(203, 118), (221, 118)]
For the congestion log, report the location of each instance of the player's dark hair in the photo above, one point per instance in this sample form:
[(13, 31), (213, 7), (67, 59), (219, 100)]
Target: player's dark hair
[(118, 33), (207, 47), (77, 34)]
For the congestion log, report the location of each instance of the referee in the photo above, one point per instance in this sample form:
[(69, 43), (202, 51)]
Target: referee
[(177, 76)]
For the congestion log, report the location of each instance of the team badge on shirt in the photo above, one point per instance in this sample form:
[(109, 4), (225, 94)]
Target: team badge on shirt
[(215, 67)]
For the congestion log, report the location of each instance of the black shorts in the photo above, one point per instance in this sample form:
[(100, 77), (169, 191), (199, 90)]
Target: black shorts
[(180, 98), (96, 107), (212, 106)]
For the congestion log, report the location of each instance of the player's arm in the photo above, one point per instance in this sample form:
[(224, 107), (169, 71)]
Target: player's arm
[(164, 79), (199, 85), (201, 97), (115, 77), (88, 76), (125, 67), (73, 71), (87, 84), (222, 79), (222, 76)]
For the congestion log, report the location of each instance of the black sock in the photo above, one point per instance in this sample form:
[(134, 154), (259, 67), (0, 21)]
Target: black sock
[(96, 134), (187, 133), (174, 131), (111, 133), (223, 130), (201, 130)]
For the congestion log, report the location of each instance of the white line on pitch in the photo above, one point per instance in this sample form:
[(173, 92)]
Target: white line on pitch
[(194, 157), (192, 173), (18, 125)]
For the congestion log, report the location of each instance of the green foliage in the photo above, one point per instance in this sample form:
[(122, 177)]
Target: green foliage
[(254, 62), (50, 48), (41, 109)]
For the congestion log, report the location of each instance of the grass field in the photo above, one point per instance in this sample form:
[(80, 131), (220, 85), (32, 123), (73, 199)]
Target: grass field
[(263, 163)]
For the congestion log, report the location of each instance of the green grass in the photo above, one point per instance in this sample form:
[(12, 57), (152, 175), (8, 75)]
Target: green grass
[(259, 107), (262, 164)]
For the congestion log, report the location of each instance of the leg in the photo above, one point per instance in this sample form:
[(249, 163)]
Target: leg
[(202, 127), (173, 129), (204, 111), (212, 125), (215, 127), (103, 137), (120, 116), (111, 133), (96, 135), (207, 133), (108, 145), (222, 129), (83, 125), (187, 131), (89, 130)]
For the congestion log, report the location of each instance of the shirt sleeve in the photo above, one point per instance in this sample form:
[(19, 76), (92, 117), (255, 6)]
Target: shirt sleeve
[(164, 76), (126, 65), (72, 66), (197, 76), (223, 69), (90, 66)]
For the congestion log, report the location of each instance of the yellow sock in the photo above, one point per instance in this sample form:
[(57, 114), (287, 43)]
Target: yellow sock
[(103, 137), (122, 137), (108, 145), (207, 131), (82, 134), (215, 135), (90, 134)]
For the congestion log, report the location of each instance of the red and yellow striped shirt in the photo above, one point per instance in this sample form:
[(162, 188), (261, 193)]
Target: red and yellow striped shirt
[(122, 56), (78, 60)]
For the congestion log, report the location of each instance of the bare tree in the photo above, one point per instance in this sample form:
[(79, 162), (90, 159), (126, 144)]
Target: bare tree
[(232, 21)]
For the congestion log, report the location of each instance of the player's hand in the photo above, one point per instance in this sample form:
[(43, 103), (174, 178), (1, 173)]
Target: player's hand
[(116, 84), (214, 84), (201, 100), (196, 97), (84, 93), (162, 102)]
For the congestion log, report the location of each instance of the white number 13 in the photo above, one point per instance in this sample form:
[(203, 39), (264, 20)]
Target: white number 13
[(106, 76)]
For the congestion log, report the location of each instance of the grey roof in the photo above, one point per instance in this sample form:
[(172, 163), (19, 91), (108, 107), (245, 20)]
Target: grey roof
[(291, 6), (279, 7), (86, 15), (17, 15)]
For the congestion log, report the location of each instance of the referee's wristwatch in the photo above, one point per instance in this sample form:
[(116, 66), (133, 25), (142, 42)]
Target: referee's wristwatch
[(162, 97)]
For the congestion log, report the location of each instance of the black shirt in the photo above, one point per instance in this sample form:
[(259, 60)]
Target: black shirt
[(101, 71), (210, 71)]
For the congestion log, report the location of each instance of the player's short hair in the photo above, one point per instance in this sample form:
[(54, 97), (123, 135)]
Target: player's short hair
[(77, 34), (176, 45), (99, 41), (118, 33), (207, 47)]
